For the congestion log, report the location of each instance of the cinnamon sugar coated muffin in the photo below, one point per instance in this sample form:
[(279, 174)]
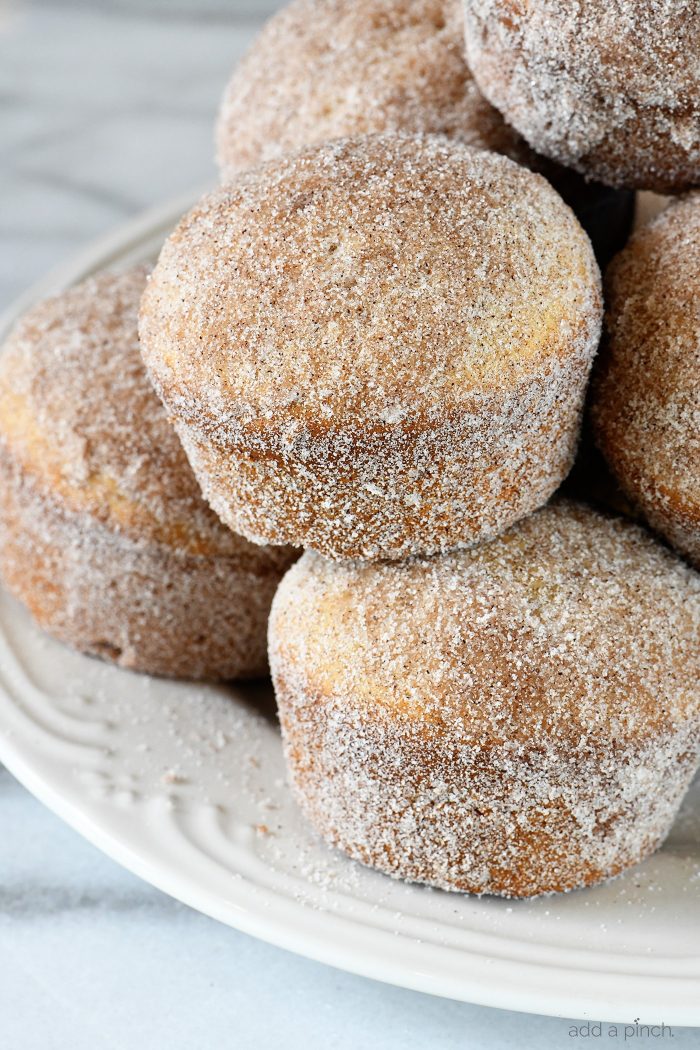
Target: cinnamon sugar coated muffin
[(326, 69), (608, 87), (517, 719), (377, 347), (645, 405), (104, 534)]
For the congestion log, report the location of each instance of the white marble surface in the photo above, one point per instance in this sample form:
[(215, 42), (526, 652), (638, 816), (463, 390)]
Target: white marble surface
[(106, 108)]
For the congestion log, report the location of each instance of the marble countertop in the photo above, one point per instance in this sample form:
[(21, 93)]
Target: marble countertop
[(107, 107)]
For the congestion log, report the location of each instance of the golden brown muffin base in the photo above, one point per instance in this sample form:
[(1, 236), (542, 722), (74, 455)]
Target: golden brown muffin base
[(658, 500), (512, 821), (467, 479), (139, 604)]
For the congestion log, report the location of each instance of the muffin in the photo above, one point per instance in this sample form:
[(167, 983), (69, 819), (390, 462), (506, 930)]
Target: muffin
[(104, 534), (610, 88), (517, 719), (645, 403), (377, 347), (326, 69)]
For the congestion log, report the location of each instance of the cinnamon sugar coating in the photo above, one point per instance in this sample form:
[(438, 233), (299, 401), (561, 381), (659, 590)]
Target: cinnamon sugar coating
[(327, 69), (104, 534), (645, 403), (516, 719), (377, 347), (610, 88)]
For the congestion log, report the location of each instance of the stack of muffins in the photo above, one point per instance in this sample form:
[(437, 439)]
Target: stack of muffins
[(375, 342)]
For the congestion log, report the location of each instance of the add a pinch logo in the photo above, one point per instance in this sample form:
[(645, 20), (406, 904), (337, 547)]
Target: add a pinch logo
[(624, 1032)]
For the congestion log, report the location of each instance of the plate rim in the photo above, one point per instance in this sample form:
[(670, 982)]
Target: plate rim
[(483, 980)]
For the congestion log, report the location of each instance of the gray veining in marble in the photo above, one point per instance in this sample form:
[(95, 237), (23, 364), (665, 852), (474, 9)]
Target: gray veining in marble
[(104, 110)]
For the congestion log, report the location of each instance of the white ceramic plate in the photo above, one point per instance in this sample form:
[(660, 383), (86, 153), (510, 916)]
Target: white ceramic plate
[(184, 784)]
